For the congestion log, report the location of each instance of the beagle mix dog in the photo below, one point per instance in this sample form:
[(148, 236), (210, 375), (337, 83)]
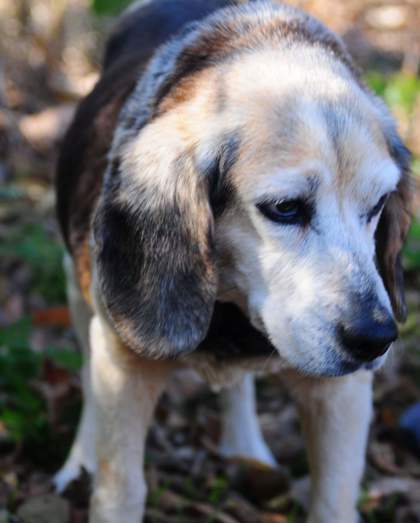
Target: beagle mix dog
[(230, 192)]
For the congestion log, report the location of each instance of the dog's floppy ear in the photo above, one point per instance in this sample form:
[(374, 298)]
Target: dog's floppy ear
[(153, 247), (393, 228)]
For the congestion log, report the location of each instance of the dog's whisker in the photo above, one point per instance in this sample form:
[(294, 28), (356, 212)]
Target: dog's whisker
[(267, 360)]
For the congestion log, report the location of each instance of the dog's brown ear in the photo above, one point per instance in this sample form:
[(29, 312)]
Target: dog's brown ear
[(392, 231), (153, 248)]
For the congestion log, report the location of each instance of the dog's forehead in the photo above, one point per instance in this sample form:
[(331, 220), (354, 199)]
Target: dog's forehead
[(302, 141), (310, 112)]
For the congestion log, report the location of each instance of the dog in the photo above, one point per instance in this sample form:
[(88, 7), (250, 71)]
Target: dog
[(230, 194)]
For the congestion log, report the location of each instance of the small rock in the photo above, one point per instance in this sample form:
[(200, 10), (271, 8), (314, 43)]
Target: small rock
[(49, 508), (389, 486), (5, 516)]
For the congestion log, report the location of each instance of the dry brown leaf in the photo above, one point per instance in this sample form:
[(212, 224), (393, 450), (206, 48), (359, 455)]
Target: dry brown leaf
[(52, 316), (383, 457)]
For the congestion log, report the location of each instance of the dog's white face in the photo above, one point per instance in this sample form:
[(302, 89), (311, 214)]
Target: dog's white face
[(312, 177), (258, 180)]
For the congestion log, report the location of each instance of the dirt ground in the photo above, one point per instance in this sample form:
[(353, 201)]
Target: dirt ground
[(49, 56)]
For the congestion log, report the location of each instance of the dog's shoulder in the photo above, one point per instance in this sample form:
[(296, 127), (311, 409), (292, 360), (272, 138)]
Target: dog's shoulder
[(144, 26)]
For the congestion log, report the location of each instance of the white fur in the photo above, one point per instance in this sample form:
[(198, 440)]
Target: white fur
[(125, 392), (82, 453), (298, 282), (335, 416), (241, 435)]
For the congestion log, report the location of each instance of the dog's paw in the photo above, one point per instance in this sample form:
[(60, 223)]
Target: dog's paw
[(255, 451), (65, 476), (71, 471)]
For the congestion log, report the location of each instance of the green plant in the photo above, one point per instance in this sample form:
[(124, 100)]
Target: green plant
[(22, 407), (412, 250), (35, 247), (22, 410), (155, 494), (108, 7), (218, 488), (398, 89)]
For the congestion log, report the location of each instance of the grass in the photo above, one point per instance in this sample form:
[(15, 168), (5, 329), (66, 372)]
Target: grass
[(22, 410), (398, 90), (412, 249), (22, 405), (40, 251), (108, 7)]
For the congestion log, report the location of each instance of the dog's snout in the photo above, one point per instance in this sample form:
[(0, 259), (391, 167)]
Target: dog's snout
[(369, 336)]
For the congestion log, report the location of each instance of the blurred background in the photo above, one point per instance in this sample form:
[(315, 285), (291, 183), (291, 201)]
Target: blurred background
[(50, 52)]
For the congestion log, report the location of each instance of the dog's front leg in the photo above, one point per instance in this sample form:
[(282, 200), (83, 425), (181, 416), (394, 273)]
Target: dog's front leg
[(241, 431), (125, 391), (82, 453), (335, 416)]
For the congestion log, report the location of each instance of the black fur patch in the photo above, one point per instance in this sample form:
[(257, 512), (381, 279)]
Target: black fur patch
[(231, 336), (221, 189), (152, 22), (231, 32)]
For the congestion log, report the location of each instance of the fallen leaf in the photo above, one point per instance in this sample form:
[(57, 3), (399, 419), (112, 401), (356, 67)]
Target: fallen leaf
[(383, 457), (52, 317)]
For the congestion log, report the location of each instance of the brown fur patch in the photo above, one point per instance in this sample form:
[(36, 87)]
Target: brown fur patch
[(390, 237)]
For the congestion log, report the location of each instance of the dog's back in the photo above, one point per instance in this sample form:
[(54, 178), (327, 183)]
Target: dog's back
[(146, 25)]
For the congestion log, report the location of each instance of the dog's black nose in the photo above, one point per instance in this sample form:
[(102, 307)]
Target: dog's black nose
[(368, 337)]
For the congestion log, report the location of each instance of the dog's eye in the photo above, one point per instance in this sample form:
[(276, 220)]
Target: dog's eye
[(287, 212), (378, 208)]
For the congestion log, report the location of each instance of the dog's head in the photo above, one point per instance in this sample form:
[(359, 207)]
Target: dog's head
[(251, 165)]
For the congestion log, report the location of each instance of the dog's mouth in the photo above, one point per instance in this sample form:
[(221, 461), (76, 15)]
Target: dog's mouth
[(343, 367), (376, 363), (335, 365), (340, 369), (252, 339), (372, 364)]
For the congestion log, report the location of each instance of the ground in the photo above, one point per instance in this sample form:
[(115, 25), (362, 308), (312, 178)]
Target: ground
[(49, 56)]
